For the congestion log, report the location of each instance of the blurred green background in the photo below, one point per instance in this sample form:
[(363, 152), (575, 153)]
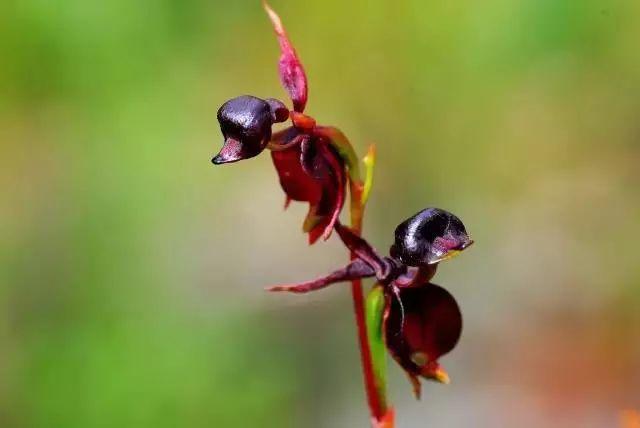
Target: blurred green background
[(131, 268)]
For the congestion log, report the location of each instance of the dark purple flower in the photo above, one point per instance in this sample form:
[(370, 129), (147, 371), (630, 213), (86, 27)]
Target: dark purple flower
[(245, 123), (428, 237)]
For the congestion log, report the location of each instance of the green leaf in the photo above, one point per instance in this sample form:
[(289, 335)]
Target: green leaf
[(375, 312)]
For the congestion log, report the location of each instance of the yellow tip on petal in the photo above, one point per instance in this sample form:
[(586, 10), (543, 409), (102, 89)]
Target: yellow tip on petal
[(441, 376), (435, 373), (273, 16), (451, 254)]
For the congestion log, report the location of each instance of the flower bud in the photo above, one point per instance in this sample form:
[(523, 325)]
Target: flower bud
[(430, 236)]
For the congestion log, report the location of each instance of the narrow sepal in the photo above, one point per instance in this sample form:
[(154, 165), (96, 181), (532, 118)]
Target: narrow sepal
[(361, 249), (290, 67), (337, 189), (354, 270)]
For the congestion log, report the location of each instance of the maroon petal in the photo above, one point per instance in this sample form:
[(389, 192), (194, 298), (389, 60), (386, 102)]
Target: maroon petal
[(312, 172), (334, 188), (421, 324), (290, 68), (297, 184)]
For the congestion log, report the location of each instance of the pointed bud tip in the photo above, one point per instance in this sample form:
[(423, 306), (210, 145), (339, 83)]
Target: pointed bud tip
[(290, 69), (273, 16)]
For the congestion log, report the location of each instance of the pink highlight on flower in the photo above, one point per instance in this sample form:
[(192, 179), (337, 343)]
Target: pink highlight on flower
[(290, 68)]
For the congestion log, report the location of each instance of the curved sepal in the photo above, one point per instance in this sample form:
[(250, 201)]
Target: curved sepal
[(290, 67), (355, 270)]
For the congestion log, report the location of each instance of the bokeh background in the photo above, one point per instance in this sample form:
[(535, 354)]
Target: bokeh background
[(132, 269)]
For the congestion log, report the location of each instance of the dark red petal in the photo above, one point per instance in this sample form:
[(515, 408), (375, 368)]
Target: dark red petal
[(421, 324), (296, 183), (312, 172), (334, 188), (317, 231), (292, 73)]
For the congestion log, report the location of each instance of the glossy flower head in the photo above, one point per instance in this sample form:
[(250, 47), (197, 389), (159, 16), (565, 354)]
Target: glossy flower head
[(245, 123), (421, 324), (429, 237)]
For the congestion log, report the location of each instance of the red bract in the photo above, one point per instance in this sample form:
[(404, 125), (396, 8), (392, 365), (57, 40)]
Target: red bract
[(421, 324), (290, 68), (310, 171)]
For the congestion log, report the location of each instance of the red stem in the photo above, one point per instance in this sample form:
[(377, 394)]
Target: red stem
[(375, 405), (365, 351)]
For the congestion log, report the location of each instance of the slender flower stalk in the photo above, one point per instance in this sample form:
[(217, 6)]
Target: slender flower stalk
[(376, 397)]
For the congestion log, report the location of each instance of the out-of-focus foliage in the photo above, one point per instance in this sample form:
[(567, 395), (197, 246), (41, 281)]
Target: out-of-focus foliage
[(131, 269)]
